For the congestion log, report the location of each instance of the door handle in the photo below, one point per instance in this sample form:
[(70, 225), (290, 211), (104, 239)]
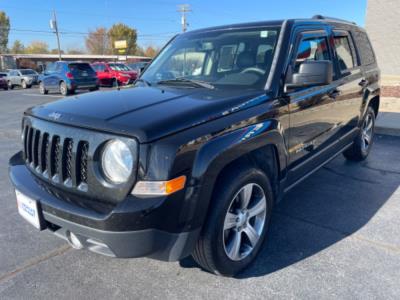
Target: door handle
[(363, 83), (334, 93)]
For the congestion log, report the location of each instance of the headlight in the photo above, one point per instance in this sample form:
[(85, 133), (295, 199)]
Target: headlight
[(117, 161)]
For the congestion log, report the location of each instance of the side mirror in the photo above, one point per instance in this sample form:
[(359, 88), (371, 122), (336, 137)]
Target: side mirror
[(311, 73)]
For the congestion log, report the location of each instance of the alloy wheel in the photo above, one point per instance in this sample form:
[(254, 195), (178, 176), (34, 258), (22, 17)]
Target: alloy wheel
[(244, 222), (367, 132)]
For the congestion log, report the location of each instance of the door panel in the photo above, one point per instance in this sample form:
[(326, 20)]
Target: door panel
[(350, 86), (313, 115)]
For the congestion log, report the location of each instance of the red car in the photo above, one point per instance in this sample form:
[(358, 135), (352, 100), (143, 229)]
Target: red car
[(112, 73)]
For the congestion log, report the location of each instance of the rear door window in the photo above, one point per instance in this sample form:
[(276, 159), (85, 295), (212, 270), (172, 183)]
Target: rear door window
[(344, 53)]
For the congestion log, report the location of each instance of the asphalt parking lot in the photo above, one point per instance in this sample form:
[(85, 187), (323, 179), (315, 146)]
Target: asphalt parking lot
[(336, 235)]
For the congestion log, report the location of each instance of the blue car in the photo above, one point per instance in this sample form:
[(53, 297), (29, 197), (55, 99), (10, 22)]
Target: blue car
[(67, 77)]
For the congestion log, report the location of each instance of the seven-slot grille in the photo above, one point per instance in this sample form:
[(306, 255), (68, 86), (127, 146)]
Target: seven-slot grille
[(60, 160)]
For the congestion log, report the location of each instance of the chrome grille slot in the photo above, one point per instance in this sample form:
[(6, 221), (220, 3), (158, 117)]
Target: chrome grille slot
[(35, 148), (44, 153), (29, 145), (67, 161), (81, 162)]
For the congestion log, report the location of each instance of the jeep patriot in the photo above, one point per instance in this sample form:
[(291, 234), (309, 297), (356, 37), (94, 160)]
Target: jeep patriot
[(193, 158)]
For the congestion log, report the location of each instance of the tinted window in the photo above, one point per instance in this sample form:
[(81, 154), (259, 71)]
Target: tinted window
[(3, 75), (81, 69), (344, 54), (315, 48), (364, 48)]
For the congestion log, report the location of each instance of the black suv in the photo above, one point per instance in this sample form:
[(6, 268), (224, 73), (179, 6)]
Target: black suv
[(192, 159)]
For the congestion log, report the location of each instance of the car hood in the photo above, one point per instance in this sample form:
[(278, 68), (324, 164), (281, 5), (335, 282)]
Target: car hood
[(147, 113)]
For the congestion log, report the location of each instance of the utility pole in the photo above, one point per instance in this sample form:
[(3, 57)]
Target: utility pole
[(183, 9), (54, 26)]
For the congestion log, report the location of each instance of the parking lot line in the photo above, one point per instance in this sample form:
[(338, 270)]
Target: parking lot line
[(40, 95)]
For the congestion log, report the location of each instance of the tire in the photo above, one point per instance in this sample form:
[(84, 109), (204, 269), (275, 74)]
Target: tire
[(5, 88), (363, 142), (64, 89), (42, 89), (10, 85), (23, 84), (94, 89), (214, 251)]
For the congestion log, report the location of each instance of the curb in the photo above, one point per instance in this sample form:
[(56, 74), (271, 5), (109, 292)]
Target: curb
[(387, 131)]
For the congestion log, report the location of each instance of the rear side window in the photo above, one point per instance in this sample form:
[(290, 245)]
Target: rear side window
[(364, 48), (344, 53)]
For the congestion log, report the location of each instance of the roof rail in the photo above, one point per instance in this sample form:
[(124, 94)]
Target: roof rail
[(320, 17)]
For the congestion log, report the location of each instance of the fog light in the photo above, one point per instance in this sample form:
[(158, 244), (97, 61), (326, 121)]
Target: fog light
[(74, 241)]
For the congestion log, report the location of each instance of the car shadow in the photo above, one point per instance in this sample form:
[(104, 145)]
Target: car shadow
[(330, 205)]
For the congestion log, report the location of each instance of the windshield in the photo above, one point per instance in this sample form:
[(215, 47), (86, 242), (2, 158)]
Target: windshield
[(239, 58), (119, 67), (27, 72)]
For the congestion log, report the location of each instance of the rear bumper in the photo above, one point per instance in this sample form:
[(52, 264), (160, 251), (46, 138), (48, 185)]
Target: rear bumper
[(76, 85), (101, 230)]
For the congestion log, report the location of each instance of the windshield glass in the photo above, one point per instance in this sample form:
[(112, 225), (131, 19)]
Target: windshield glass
[(27, 72), (224, 58), (119, 67)]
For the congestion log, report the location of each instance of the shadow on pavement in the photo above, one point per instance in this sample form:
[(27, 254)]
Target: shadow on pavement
[(332, 204)]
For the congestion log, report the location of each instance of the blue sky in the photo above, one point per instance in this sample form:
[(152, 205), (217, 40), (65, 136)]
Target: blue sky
[(157, 20)]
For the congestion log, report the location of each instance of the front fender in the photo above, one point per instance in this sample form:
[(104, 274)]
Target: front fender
[(217, 153)]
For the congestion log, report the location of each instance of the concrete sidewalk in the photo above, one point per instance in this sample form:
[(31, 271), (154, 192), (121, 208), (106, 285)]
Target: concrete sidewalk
[(388, 121)]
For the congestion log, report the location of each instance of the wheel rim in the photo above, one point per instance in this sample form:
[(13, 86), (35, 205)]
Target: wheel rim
[(23, 84), (41, 87), (244, 222), (367, 132), (62, 88)]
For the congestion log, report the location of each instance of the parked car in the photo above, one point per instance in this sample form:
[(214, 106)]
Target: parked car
[(3, 81), (67, 77), (192, 161), (138, 66), (22, 77), (112, 73)]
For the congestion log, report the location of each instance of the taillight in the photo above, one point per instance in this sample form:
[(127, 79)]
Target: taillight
[(69, 75)]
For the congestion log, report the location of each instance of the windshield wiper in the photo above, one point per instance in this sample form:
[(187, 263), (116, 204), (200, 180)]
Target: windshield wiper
[(198, 83), (144, 81)]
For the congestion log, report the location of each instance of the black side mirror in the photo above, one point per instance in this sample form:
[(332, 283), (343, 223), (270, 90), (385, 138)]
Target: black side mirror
[(311, 73)]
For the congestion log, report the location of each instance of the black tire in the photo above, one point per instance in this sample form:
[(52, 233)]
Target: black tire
[(10, 86), (42, 89), (210, 251), (6, 88), (64, 89), (360, 149)]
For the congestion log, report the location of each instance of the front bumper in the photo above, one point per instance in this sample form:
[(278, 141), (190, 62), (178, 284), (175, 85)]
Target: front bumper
[(108, 230)]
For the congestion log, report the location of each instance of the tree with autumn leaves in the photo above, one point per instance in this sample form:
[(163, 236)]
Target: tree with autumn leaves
[(101, 41)]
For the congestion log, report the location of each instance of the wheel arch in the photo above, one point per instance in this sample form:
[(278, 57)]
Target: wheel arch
[(261, 145)]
